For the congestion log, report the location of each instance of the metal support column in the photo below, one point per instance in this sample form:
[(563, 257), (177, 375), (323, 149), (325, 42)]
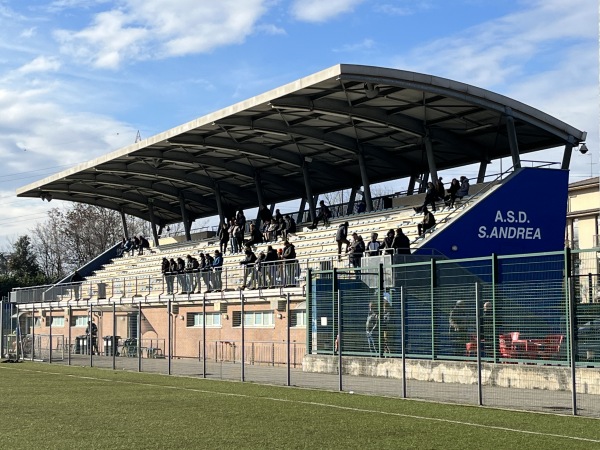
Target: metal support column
[(351, 201), (220, 212), (139, 336), (185, 217), (512, 139), (114, 344), (125, 232), (566, 162), (152, 221), (70, 326), (430, 159), (50, 335), (309, 193), (482, 169), (204, 337), (365, 180), (403, 339)]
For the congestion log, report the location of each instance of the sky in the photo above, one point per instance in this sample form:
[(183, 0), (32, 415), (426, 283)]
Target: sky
[(81, 78)]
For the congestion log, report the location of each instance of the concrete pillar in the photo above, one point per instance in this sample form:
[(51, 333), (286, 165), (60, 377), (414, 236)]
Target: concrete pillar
[(309, 194)]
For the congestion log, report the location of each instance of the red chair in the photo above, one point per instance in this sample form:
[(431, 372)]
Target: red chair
[(550, 347), (506, 347)]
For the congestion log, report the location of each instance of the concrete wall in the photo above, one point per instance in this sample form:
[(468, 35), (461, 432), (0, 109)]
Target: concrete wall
[(518, 376)]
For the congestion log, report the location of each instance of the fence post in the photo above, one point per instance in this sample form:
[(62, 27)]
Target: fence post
[(380, 300), (114, 344), (339, 337), (32, 332), (432, 277), (139, 334), (204, 336), (572, 328), (243, 353), (169, 333), (309, 321), (89, 335), (478, 340), (403, 339), (70, 316), (288, 321), (50, 335)]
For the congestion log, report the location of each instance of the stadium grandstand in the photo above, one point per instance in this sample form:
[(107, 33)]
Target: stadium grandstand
[(347, 127)]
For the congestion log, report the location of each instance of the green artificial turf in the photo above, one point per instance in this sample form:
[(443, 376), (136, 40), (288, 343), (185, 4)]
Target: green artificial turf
[(62, 407)]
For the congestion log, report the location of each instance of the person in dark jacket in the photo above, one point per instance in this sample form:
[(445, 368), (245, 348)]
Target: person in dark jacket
[(290, 263), (256, 236), (166, 271), (427, 223), (324, 215), (387, 244), (401, 243), (248, 262), (290, 227), (341, 237), (224, 237), (356, 251)]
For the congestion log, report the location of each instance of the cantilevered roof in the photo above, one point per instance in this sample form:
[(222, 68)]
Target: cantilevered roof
[(327, 122)]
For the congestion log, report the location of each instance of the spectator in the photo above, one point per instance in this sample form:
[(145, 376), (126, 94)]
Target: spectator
[(136, 245), (240, 218), (371, 328), (166, 271), (92, 333), (270, 262), (464, 188), (430, 197), (290, 227), (278, 216), (172, 273), (341, 238), (232, 236), (386, 245), (373, 246), (181, 277), (279, 229), (290, 264), (324, 215), (223, 237), (452, 190), (121, 247), (217, 271), (265, 216), (191, 267), (361, 207), (458, 328), (76, 279), (239, 236), (255, 236), (127, 246), (427, 223), (143, 244), (207, 272), (260, 269), (440, 191), (401, 243), (356, 251), (248, 262)]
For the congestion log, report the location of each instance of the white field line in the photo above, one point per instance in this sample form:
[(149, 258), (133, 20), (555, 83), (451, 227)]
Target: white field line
[(322, 405)]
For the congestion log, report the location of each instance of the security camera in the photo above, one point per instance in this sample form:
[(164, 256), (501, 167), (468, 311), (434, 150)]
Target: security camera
[(583, 149)]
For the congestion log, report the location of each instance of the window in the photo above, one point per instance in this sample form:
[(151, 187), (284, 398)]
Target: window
[(37, 322), (80, 321), (213, 319), (254, 319), (298, 318), (57, 322)]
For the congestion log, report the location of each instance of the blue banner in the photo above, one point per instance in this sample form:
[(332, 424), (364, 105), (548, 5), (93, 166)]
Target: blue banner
[(526, 214)]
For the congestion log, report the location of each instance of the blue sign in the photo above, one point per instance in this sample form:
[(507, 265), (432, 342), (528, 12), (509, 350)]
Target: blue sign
[(525, 214)]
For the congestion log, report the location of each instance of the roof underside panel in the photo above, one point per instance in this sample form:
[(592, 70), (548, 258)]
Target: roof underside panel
[(324, 121)]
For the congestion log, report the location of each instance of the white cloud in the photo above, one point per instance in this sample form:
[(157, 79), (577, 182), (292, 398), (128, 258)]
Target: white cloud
[(409, 8), (364, 45), (545, 56), (145, 29), (322, 10), (41, 64)]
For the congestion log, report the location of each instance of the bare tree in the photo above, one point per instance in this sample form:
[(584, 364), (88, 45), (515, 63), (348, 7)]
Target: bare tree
[(74, 235)]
